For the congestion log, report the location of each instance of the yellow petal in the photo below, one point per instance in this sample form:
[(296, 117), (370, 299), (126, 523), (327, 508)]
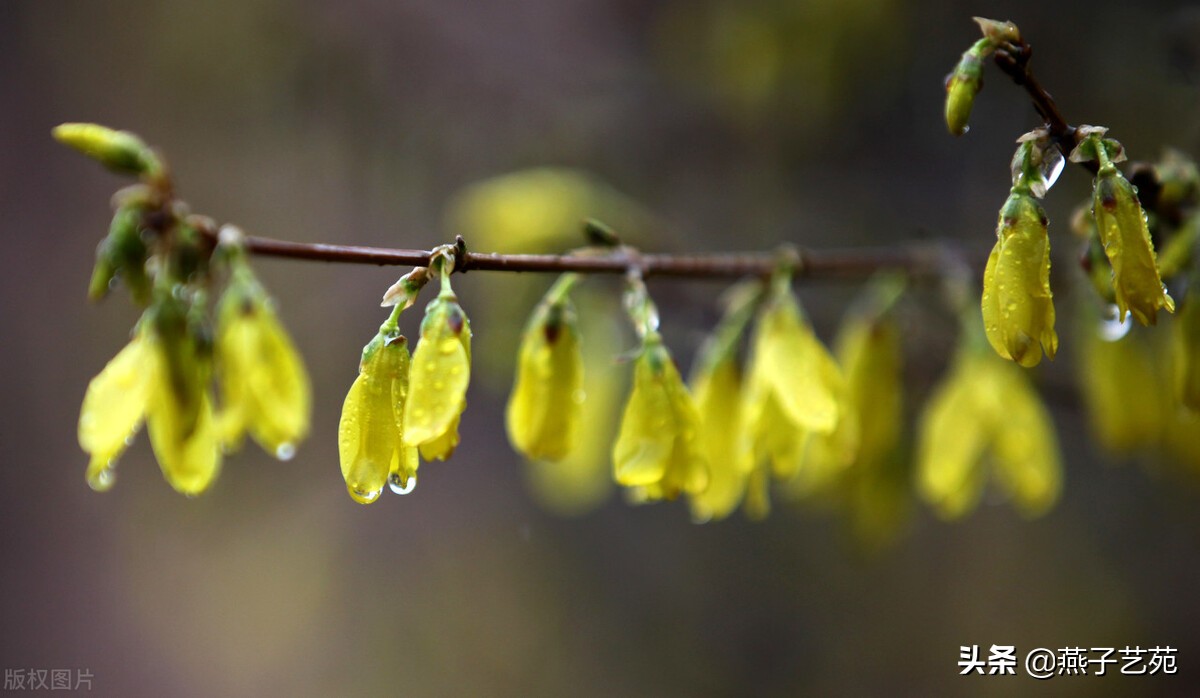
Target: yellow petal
[(114, 406), (718, 401), (648, 429), (789, 358), (952, 439), (1026, 449), (263, 381), (190, 459)]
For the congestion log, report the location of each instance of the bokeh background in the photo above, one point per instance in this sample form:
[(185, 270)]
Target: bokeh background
[(713, 126)]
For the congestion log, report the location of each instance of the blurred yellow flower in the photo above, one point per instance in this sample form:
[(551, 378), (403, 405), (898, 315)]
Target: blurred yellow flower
[(544, 409), (264, 385), (1018, 309), (114, 407), (717, 387), (985, 412), (657, 450), (795, 388)]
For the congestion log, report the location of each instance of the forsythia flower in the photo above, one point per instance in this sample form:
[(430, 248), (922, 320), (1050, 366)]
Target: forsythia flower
[(370, 435), (1122, 228), (717, 387), (264, 385), (114, 407), (876, 486), (795, 388), (1124, 390), (986, 410), (179, 415), (544, 409), (657, 450), (1018, 309), (441, 369)]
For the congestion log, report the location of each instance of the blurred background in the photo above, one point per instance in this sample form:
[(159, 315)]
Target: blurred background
[(695, 125)]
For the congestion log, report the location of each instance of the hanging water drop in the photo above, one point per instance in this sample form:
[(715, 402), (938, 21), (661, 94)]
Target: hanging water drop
[(285, 451), (1112, 327), (401, 487)]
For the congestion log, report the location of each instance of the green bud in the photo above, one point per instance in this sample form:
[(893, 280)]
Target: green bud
[(119, 151), (122, 253), (963, 84)]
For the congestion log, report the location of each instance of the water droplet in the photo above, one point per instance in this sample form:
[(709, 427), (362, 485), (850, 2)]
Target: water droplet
[(1112, 327), (439, 385), (578, 397), (103, 480), (364, 496), (400, 487), (1051, 166), (285, 451)]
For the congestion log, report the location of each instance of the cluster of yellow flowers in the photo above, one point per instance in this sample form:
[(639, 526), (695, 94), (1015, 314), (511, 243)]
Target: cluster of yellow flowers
[(401, 409), (163, 377), (794, 415)]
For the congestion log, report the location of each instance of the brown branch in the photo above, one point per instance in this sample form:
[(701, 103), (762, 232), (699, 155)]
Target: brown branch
[(1013, 60), (917, 261)]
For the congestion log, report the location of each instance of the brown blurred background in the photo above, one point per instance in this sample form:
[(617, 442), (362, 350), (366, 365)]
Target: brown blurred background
[(739, 125)]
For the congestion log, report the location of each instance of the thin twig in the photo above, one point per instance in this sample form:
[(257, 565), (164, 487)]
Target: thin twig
[(917, 261)]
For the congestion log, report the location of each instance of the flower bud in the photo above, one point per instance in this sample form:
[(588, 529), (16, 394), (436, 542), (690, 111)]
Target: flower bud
[(119, 151), (963, 84), (1018, 308), (122, 253)]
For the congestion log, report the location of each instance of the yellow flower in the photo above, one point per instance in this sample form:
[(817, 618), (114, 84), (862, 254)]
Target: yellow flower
[(582, 480), (656, 451), (717, 389), (1124, 390), (264, 385), (795, 388), (544, 409), (179, 416), (114, 407), (441, 370), (370, 434), (1018, 309), (1126, 237), (986, 410)]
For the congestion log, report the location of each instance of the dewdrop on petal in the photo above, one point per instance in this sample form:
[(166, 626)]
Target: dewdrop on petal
[(1018, 307), (370, 445)]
